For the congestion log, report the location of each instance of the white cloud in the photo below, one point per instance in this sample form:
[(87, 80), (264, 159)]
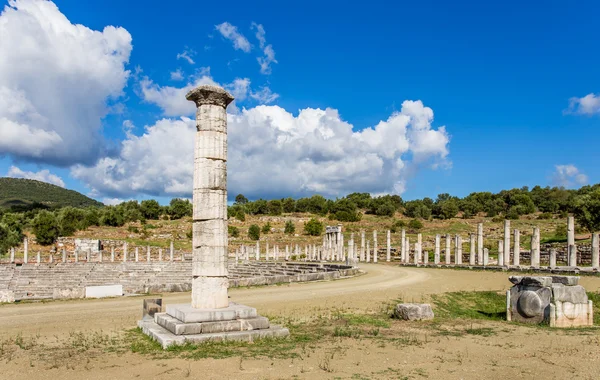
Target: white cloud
[(112, 201), (568, 175), (269, 54), (231, 33), (55, 81), (177, 75), (187, 55), (42, 175), (264, 95), (273, 153), (588, 105)]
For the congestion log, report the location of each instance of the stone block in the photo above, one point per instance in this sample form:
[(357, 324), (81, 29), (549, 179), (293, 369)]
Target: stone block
[(213, 118), (186, 313), (209, 292), (414, 311), (210, 261), (210, 233), (212, 174), (151, 307), (531, 280), (211, 144), (66, 293), (103, 291), (565, 280), (214, 205), (570, 294), (7, 296)]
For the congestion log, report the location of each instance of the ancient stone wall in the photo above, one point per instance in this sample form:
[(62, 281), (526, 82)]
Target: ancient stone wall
[(68, 280)]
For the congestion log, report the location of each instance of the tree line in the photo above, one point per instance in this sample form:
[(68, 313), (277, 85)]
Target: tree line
[(548, 202)]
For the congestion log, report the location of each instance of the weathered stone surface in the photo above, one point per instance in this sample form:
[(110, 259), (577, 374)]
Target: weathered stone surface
[(209, 95), (413, 311), (75, 292), (7, 296), (186, 313), (211, 144), (565, 280), (572, 294), (531, 280), (151, 307), (102, 291), (209, 292), (530, 304)]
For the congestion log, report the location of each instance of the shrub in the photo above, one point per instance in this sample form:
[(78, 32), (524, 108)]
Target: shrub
[(178, 208), (45, 228), (397, 225), (347, 216), (266, 228), (233, 231), (112, 217), (415, 224), (241, 216), (385, 209), (513, 213), (545, 215), (254, 232), (313, 227), (289, 227), (133, 229)]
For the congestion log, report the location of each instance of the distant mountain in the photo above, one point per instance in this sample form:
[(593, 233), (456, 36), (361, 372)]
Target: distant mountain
[(23, 194)]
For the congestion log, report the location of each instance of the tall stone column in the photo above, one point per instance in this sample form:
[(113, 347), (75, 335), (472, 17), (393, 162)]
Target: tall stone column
[(506, 259), (552, 258), (368, 252), (570, 231), (407, 250), (418, 249), (448, 253), (501, 252), (404, 250), (209, 242), (458, 251), (535, 248), (517, 248), (374, 246), (479, 243), (595, 251), (471, 249), (388, 253), (25, 249), (362, 245), (436, 253)]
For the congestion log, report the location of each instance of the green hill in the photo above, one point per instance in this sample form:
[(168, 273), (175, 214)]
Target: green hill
[(21, 194)]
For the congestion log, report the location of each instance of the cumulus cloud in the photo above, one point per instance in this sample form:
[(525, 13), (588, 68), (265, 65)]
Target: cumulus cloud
[(187, 55), (55, 81), (588, 105), (231, 33), (273, 153), (268, 51), (568, 175), (42, 175)]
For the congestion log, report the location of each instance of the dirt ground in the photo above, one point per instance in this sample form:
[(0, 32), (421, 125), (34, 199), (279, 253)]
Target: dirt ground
[(513, 351)]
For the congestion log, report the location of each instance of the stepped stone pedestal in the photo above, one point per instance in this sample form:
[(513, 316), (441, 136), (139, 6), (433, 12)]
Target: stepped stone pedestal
[(210, 316)]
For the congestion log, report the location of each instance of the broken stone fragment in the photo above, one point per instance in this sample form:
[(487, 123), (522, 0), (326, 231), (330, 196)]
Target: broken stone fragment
[(531, 280), (565, 280), (413, 311)]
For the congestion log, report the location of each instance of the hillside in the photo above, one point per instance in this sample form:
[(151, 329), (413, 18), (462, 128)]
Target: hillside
[(21, 193)]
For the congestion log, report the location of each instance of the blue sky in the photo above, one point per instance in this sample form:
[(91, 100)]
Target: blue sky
[(506, 82)]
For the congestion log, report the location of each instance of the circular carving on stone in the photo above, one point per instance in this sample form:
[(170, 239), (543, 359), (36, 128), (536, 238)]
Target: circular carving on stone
[(529, 304), (569, 310)]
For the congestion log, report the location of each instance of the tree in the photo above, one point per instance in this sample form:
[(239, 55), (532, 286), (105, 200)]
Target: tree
[(313, 227), (386, 209), (70, 220), (179, 208), (91, 218), (112, 217), (45, 227), (415, 224), (150, 209), (587, 210), (289, 227), (289, 205), (8, 238), (275, 207), (240, 199), (254, 232), (448, 209)]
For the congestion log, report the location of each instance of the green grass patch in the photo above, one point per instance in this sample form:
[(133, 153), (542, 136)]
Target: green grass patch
[(595, 298), (470, 305)]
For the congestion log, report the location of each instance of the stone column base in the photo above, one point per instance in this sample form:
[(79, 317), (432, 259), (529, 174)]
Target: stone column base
[(183, 323)]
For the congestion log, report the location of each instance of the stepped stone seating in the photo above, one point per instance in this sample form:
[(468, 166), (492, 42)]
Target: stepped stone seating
[(68, 280)]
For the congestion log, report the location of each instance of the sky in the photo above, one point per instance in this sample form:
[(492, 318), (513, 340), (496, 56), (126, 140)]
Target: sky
[(408, 98)]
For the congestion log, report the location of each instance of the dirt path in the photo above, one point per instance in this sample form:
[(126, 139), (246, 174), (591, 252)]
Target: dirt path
[(368, 292)]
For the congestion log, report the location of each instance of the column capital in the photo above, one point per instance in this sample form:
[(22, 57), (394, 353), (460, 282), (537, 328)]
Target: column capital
[(209, 95)]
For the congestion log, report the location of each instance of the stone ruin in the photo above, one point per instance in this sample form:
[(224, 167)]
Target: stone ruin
[(210, 316), (555, 300)]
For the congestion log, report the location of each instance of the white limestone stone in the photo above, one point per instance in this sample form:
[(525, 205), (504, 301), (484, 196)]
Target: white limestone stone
[(448, 253), (480, 243), (595, 250), (472, 254), (506, 244), (209, 292), (517, 248), (103, 291), (388, 252)]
